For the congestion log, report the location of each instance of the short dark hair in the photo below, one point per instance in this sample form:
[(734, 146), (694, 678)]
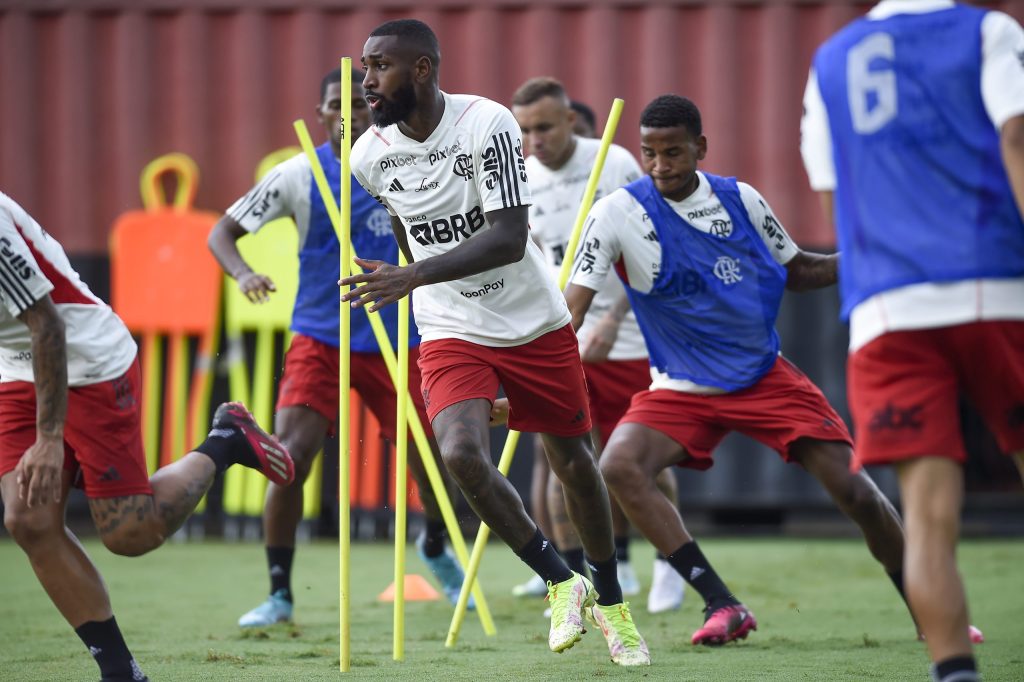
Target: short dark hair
[(334, 76), (584, 112), (413, 33), (670, 111), (539, 88)]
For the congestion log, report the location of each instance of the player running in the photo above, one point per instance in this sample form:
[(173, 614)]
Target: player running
[(450, 170), (307, 405), (70, 403)]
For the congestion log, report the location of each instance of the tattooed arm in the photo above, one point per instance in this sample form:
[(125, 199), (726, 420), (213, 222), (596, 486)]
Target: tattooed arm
[(39, 470), (809, 271)]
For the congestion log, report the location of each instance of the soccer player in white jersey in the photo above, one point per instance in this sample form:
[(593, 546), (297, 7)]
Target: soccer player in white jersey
[(70, 399), (559, 163), (705, 263), (307, 404), (914, 118), (450, 170)]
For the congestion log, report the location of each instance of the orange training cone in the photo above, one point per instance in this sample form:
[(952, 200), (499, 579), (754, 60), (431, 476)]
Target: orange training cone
[(416, 589)]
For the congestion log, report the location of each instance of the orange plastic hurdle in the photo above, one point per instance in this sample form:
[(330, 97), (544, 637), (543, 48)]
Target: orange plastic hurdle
[(165, 283)]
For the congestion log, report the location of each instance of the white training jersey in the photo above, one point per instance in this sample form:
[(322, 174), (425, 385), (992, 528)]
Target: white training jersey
[(929, 305), (618, 236), (32, 265), (556, 200), (440, 189)]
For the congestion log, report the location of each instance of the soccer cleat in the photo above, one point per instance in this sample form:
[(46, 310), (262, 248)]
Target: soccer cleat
[(568, 600), (626, 646), (627, 579), (667, 588), (724, 625), (276, 609), (534, 587), (446, 569), (274, 460)]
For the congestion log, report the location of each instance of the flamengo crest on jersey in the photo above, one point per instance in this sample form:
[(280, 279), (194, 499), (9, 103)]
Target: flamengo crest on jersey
[(556, 200), (32, 265), (710, 316), (441, 189)]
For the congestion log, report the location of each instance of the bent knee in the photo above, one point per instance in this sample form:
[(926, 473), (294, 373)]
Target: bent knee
[(31, 527), (618, 470), (133, 541), (464, 458)]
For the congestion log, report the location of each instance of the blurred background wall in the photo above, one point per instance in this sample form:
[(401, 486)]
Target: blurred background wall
[(91, 90)]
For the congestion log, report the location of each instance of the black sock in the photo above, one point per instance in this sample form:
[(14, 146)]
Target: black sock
[(606, 580), (227, 446), (622, 547), (433, 540), (105, 643), (689, 561), (279, 561), (574, 559), (541, 556), (956, 669)]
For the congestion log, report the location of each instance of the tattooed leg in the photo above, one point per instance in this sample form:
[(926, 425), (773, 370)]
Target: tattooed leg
[(136, 524), (463, 436), (61, 565)]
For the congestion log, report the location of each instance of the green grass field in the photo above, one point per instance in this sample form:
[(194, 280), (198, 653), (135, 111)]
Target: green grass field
[(826, 612)]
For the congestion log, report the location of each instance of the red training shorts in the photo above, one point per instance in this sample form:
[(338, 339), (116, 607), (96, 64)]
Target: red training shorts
[(543, 380), (903, 389), (776, 411), (311, 380), (612, 385), (102, 434)]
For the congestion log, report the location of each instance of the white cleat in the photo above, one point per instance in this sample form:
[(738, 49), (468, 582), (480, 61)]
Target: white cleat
[(628, 581), (667, 588), (534, 587)]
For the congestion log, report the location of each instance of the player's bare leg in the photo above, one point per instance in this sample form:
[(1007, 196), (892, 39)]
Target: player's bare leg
[(632, 460), (463, 436), (430, 545), (1018, 459), (586, 497), (59, 561), (932, 492), (568, 540), (302, 430), (857, 497), (136, 524), (68, 576)]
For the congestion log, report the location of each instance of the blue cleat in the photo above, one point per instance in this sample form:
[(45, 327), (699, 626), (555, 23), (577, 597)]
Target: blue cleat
[(276, 609), (446, 569)]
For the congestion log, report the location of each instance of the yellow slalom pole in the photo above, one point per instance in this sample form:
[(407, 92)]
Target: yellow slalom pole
[(343, 226), (401, 480), (509, 450), (419, 436)]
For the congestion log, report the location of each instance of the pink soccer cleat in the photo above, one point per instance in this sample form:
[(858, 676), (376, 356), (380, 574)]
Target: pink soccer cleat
[(271, 456), (725, 625)]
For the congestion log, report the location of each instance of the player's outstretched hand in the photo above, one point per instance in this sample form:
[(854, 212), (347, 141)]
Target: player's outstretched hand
[(382, 284), (499, 412), (38, 472), (256, 287)]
